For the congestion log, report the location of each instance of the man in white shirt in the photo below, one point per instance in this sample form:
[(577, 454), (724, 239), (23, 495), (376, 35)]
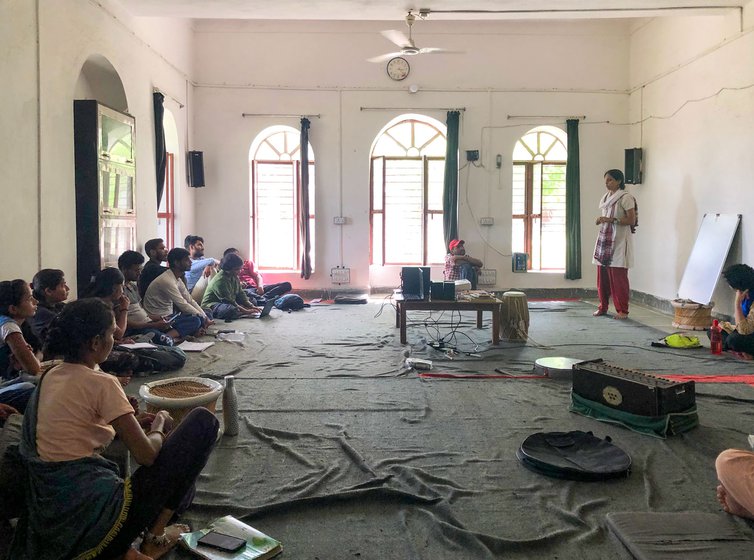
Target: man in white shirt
[(168, 294), (138, 320)]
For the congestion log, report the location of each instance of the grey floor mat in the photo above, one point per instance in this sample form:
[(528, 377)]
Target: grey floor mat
[(344, 453), (682, 535)]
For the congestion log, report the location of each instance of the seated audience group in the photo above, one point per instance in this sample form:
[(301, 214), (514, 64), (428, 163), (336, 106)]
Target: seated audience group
[(73, 407)]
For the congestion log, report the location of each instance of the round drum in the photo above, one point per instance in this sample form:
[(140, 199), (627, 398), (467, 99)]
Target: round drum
[(689, 315), (514, 316), (556, 366), (180, 395)]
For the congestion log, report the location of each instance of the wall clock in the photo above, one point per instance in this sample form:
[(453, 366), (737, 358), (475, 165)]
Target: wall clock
[(398, 68)]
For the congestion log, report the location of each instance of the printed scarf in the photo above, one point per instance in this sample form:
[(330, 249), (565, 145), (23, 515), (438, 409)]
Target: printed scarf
[(603, 250)]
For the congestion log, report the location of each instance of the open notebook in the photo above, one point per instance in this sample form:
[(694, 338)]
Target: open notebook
[(258, 545)]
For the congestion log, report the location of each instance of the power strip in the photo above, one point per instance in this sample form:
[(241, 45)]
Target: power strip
[(419, 363)]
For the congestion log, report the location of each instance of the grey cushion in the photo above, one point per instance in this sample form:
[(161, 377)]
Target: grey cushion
[(682, 535)]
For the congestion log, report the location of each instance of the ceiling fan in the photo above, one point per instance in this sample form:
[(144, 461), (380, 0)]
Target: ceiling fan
[(407, 45)]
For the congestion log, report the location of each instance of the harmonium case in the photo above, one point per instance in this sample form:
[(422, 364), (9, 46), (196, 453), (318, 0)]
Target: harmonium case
[(630, 390)]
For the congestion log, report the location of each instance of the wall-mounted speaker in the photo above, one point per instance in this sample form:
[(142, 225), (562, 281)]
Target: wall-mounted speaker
[(633, 167), (195, 167)]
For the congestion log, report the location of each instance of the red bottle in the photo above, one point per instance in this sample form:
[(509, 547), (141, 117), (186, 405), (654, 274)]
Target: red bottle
[(716, 338)]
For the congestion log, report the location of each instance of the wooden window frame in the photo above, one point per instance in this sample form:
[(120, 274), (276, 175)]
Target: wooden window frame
[(529, 217), (169, 196), (382, 213), (296, 170)]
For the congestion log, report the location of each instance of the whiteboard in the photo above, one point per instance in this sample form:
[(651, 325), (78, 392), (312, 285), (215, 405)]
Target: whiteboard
[(708, 256)]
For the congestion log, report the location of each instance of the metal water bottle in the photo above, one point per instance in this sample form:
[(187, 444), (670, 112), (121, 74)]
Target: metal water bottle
[(716, 338), (230, 407)]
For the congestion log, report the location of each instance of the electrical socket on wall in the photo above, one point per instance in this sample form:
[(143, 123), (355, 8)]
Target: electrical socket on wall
[(340, 275), (487, 277), (486, 221)]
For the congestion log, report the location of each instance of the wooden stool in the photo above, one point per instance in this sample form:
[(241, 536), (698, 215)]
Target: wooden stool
[(689, 315), (514, 319)]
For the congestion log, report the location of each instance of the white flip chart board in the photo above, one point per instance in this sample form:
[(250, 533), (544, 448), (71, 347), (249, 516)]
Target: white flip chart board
[(708, 256)]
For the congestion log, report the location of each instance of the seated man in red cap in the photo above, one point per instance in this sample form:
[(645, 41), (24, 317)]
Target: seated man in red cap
[(459, 265)]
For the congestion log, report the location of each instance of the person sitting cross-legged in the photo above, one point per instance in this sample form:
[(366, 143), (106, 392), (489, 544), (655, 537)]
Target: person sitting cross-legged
[(735, 471), (138, 320), (17, 356), (157, 254), (224, 295), (201, 267), (252, 283), (459, 265), (50, 290), (739, 337), (168, 292), (81, 507)]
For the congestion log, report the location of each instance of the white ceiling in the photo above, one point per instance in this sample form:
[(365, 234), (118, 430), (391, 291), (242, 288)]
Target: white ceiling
[(388, 10)]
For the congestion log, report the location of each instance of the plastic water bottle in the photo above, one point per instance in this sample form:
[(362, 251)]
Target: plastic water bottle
[(230, 407), (716, 338)]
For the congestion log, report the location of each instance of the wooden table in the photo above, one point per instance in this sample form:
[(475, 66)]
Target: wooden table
[(478, 305)]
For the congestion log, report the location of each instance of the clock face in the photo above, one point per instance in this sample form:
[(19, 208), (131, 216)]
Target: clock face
[(398, 68)]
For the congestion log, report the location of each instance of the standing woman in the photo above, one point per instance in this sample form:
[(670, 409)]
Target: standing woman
[(613, 252), (77, 504)]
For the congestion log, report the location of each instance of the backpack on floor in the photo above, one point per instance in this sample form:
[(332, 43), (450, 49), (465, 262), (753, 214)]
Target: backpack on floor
[(574, 456), (290, 302)]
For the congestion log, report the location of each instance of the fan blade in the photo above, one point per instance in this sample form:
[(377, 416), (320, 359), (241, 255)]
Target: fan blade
[(384, 57), (395, 37), (437, 50)]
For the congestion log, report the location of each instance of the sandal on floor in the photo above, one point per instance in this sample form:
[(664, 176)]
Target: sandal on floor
[(599, 313), (156, 546), (620, 316)]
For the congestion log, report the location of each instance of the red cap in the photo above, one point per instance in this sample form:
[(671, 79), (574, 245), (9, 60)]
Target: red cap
[(455, 243)]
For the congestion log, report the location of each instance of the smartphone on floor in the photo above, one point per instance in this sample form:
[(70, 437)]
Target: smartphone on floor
[(221, 541)]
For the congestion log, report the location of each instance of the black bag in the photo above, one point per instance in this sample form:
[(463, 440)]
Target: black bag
[(157, 358), (290, 302), (574, 456)]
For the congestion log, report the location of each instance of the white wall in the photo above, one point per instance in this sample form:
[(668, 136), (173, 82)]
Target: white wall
[(698, 159), (69, 33), (698, 153), (567, 68), (18, 140)]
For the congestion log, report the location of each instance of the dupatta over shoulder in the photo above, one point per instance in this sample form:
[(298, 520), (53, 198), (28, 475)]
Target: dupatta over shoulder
[(75, 508)]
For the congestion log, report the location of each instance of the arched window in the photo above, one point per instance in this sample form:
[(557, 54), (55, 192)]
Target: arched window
[(275, 158), (538, 216), (407, 174)]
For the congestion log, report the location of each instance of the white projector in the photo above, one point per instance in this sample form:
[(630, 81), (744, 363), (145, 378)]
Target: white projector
[(462, 286)]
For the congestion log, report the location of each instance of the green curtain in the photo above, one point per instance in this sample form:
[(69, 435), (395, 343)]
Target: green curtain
[(573, 203), (450, 184)]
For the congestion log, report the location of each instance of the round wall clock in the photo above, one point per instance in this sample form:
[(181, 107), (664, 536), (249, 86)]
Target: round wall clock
[(398, 68)]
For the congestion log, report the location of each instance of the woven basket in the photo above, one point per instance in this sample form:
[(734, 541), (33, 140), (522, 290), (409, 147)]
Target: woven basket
[(180, 395), (692, 316)]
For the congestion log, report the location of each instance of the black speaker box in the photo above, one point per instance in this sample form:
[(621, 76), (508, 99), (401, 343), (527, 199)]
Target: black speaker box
[(436, 292), (415, 281), (195, 166), (443, 291), (449, 291), (633, 166)]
